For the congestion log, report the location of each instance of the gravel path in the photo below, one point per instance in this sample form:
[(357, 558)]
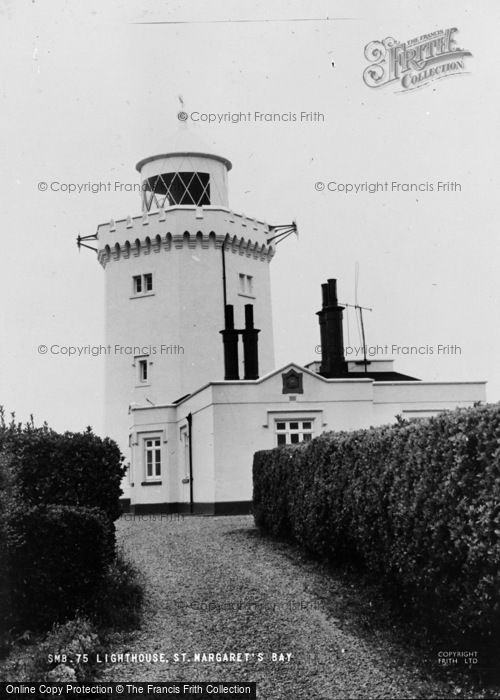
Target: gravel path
[(213, 585)]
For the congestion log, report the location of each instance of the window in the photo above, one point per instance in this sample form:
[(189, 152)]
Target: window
[(291, 432), (245, 285), (152, 458), (143, 370), (142, 365), (137, 284), (142, 284), (169, 189), (184, 438)]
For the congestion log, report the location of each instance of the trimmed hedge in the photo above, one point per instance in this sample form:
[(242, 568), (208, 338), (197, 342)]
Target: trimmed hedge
[(59, 496), (5, 582), (58, 558), (79, 469), (416, 503)]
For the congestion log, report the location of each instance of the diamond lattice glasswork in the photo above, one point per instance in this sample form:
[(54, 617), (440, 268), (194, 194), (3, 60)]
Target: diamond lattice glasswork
[(169, 189)]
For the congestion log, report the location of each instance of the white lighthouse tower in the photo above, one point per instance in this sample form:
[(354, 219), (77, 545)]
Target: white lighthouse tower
[(191, 387), (178, 274)]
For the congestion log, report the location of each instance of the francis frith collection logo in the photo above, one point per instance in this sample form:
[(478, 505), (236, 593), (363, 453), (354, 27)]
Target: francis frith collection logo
[(416, 62)]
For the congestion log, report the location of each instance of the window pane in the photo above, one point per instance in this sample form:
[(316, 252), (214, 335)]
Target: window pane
[(137, 284), (280, 426), (294, 438), (307, 437), (152, 457), (148, 282), (306, 425), (281, 439), (181, 188), (294, 426)]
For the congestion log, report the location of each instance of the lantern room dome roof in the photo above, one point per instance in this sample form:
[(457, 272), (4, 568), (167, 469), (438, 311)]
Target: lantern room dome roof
[(183, 154)]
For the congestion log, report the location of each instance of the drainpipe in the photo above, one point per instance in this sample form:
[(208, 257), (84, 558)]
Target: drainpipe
[(190, 436), (224, 291)]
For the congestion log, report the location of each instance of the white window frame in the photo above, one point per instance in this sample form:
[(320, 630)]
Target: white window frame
[(155, 449), (143, 371), (137, 284), (142, 282), (288, 431), (246, 285), (139, 361), (184, 459)]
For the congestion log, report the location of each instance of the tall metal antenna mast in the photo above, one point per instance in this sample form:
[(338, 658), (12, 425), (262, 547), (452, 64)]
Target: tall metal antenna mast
[(360, 309)]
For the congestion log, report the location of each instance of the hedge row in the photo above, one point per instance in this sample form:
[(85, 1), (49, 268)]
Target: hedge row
[(416, 503), (58, 560), (59, 496), (79, 469)]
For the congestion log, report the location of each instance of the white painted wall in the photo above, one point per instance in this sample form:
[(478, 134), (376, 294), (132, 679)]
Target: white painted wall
[(423, 398), (232, 420), (157, 422), (240, 262), (181, 248), (175, 467)]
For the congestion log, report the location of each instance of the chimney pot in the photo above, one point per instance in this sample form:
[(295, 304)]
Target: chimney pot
[(230, 341), (333, 362), (248, 316)]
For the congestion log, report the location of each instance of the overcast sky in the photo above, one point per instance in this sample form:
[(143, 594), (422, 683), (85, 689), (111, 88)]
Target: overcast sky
[(87, 91)]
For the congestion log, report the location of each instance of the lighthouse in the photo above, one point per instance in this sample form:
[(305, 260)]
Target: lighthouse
[(174, 274), (191, 389)]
